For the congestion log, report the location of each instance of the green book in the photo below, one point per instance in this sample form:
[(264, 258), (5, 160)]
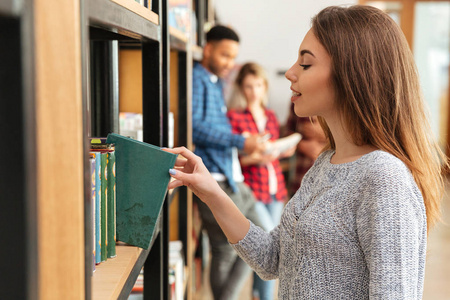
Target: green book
[(111, 204), (142, 176), (103, 207)]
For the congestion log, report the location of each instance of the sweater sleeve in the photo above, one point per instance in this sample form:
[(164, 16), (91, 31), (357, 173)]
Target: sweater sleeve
[(260, 250), (391, 225)]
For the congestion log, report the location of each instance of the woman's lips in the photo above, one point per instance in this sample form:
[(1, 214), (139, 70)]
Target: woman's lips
[(295, 96)]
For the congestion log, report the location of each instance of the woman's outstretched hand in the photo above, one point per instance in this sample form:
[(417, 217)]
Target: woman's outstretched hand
[(190, 171)]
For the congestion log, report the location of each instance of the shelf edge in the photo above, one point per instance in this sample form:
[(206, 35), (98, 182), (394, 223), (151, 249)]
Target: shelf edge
[(116, 18), (139, 10)]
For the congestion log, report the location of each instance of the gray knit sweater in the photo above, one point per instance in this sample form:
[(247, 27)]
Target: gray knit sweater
[(352, 231)]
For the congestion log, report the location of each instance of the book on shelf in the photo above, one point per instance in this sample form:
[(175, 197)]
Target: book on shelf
[(92, 167), (96, 211), (103, 203), (142, 177), (179, 15), (111, 204), (105, 211)]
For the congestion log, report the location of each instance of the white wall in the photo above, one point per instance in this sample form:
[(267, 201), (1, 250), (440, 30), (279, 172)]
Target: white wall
[(271, 32), (431, 52)]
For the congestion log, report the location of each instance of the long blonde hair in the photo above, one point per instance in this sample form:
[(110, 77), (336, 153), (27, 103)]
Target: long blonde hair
[(378, 93), (237, 98)]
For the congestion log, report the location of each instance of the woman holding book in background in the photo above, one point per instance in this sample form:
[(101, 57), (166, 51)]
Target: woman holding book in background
[(248, 114), (357, 227)]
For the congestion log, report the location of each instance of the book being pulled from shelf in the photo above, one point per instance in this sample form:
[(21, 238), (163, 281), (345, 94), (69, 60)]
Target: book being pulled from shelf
[(142, 177)]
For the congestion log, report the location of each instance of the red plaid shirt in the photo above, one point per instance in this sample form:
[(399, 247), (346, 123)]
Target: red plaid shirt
[(257, 176)]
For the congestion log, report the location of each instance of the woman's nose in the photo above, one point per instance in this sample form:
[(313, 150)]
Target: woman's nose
[(290, 75)]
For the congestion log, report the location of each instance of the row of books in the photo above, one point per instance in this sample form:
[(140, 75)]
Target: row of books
[(183, 18), (129, 181), (103, 191)]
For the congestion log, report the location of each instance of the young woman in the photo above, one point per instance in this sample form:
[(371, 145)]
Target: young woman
[(357, 227), (248, 114)]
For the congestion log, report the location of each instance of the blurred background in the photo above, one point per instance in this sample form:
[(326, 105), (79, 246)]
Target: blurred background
[(272, 40)]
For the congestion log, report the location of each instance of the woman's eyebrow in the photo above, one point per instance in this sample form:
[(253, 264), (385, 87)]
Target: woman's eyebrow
[(305, 51)]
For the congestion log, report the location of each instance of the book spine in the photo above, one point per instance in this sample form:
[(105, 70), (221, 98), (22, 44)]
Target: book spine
[(92, 163), (98, 196), (111, 206), (103, 207)]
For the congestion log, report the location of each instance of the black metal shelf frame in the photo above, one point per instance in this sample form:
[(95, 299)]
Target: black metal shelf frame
[(106, 23), (18, 205)]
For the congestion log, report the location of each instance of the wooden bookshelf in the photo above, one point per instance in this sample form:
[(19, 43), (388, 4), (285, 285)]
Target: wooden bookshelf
[(138, 9), (115, 279), (124, 17), (110, 278), (47, 100), (112, 23), (183, 52), (178, 40), (59, 117)]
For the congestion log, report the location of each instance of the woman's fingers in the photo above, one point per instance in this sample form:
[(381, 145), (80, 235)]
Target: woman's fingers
[(174, 184), (181, 162), (183, 151), (181, 176)]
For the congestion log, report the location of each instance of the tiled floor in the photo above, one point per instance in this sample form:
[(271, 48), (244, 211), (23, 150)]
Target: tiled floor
[(437, 272)]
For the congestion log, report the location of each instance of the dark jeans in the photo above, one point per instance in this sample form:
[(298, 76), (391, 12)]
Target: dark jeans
[(228, 271)]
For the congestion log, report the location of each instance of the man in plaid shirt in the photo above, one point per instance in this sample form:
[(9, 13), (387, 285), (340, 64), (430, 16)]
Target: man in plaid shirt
[(214, 143)]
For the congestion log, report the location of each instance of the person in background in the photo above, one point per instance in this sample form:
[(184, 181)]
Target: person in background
[(248, 114), (214, 143), (357, 227), (308, 149)]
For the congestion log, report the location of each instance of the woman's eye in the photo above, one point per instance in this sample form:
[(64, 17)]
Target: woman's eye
[(305, 67)]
